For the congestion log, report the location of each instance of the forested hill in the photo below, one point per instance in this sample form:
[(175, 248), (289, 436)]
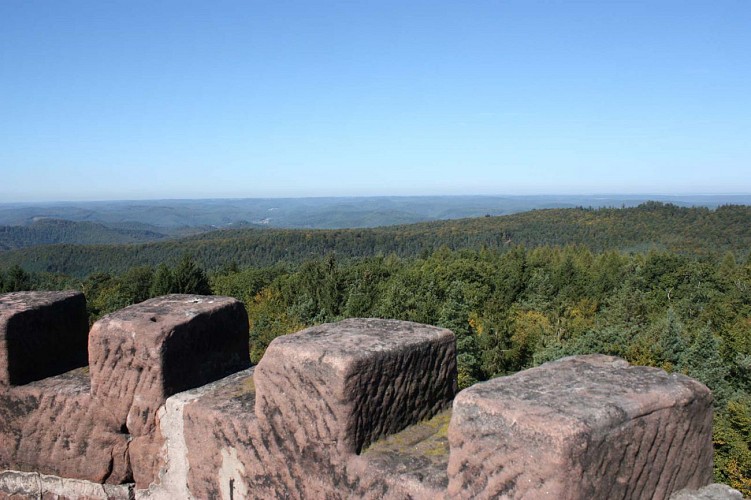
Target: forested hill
[(652, 225), (51, 231)]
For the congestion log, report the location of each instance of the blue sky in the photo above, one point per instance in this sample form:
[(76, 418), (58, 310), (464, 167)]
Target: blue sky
[(179, 99)]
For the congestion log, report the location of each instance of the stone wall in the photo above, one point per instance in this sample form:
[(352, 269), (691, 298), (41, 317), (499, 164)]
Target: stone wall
[(168, 407)]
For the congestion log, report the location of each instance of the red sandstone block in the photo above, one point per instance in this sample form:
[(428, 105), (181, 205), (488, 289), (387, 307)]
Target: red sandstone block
[(319, 396), (41, 334), (147, 352), (51, 426), (581, 428), (225, 449), (346, 384)]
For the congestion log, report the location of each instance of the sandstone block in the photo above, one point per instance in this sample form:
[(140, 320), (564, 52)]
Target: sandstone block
[(580, 428), (41, 334), (141, 355), (51, 426), (227, 453), (345, 384), (289, 427)]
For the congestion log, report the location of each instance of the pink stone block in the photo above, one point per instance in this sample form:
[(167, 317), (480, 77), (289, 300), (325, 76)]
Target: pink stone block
[(580, 428), (41, 334), (147, 352)]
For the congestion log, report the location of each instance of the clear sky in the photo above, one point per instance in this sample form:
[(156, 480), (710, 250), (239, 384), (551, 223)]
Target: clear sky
[(184, 99)]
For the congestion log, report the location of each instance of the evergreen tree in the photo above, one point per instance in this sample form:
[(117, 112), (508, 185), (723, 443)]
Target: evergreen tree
[(135, 285), (17, 280), (702, 361), (454, 315), (728, 265), (190, 278), (670, 342), (163, 282), (512, 270), (359, 299)]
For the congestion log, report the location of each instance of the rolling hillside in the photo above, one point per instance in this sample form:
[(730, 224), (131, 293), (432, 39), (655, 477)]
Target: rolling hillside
[(649, 226), (52, 231)]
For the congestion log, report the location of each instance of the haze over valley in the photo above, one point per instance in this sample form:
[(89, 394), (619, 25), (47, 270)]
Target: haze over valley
[(29, 224)]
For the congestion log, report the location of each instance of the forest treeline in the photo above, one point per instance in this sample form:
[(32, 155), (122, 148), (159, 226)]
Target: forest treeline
[(652, 225), (657, 285)]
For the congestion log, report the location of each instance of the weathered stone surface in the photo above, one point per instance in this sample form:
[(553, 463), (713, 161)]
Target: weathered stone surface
[(41, 334), (339, 386), (409, 464), (25, 485), (580, 428), (346, 384), (710, 492), (226, 450), (147, 352), (51, 426)]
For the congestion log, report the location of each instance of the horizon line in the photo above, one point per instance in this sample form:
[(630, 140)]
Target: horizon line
[(500, 195)]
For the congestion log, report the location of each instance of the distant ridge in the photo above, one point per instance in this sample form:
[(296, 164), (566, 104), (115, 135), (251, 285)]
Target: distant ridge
[(45, 231), (652, 225), (170, 216)]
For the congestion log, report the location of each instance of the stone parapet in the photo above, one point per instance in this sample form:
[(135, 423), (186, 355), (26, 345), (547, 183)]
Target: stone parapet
[(54, 427), (364, 408), (100, 423), (316, 398)]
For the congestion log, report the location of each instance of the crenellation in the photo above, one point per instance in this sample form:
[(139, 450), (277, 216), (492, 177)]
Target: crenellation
[(145, 353), (364, 408), (42, 334)]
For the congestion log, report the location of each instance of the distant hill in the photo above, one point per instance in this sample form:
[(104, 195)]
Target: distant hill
[(175, 216), (51, 231), (653, 225)]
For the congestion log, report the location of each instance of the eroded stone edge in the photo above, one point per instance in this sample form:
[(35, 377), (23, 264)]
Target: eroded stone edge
[(35, 485), (173, 477)]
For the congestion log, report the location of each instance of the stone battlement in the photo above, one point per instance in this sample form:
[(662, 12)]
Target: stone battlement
[(168, 407)]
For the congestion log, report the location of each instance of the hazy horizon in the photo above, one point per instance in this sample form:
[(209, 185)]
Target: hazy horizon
[(656, 196)]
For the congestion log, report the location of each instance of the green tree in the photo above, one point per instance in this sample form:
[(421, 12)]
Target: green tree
[(362, 283), (702, 361), (455, 315), (529, 331), (511, 276), (17, 280), (190, 278), (670, 344), (269, 317), (163, 282), (135, 284), (315, 290), (96, 287), (731, 435)]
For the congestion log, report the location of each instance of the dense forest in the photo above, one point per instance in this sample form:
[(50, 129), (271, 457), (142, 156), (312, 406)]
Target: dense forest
[(51, 231), (651, 225), (657, 285)]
